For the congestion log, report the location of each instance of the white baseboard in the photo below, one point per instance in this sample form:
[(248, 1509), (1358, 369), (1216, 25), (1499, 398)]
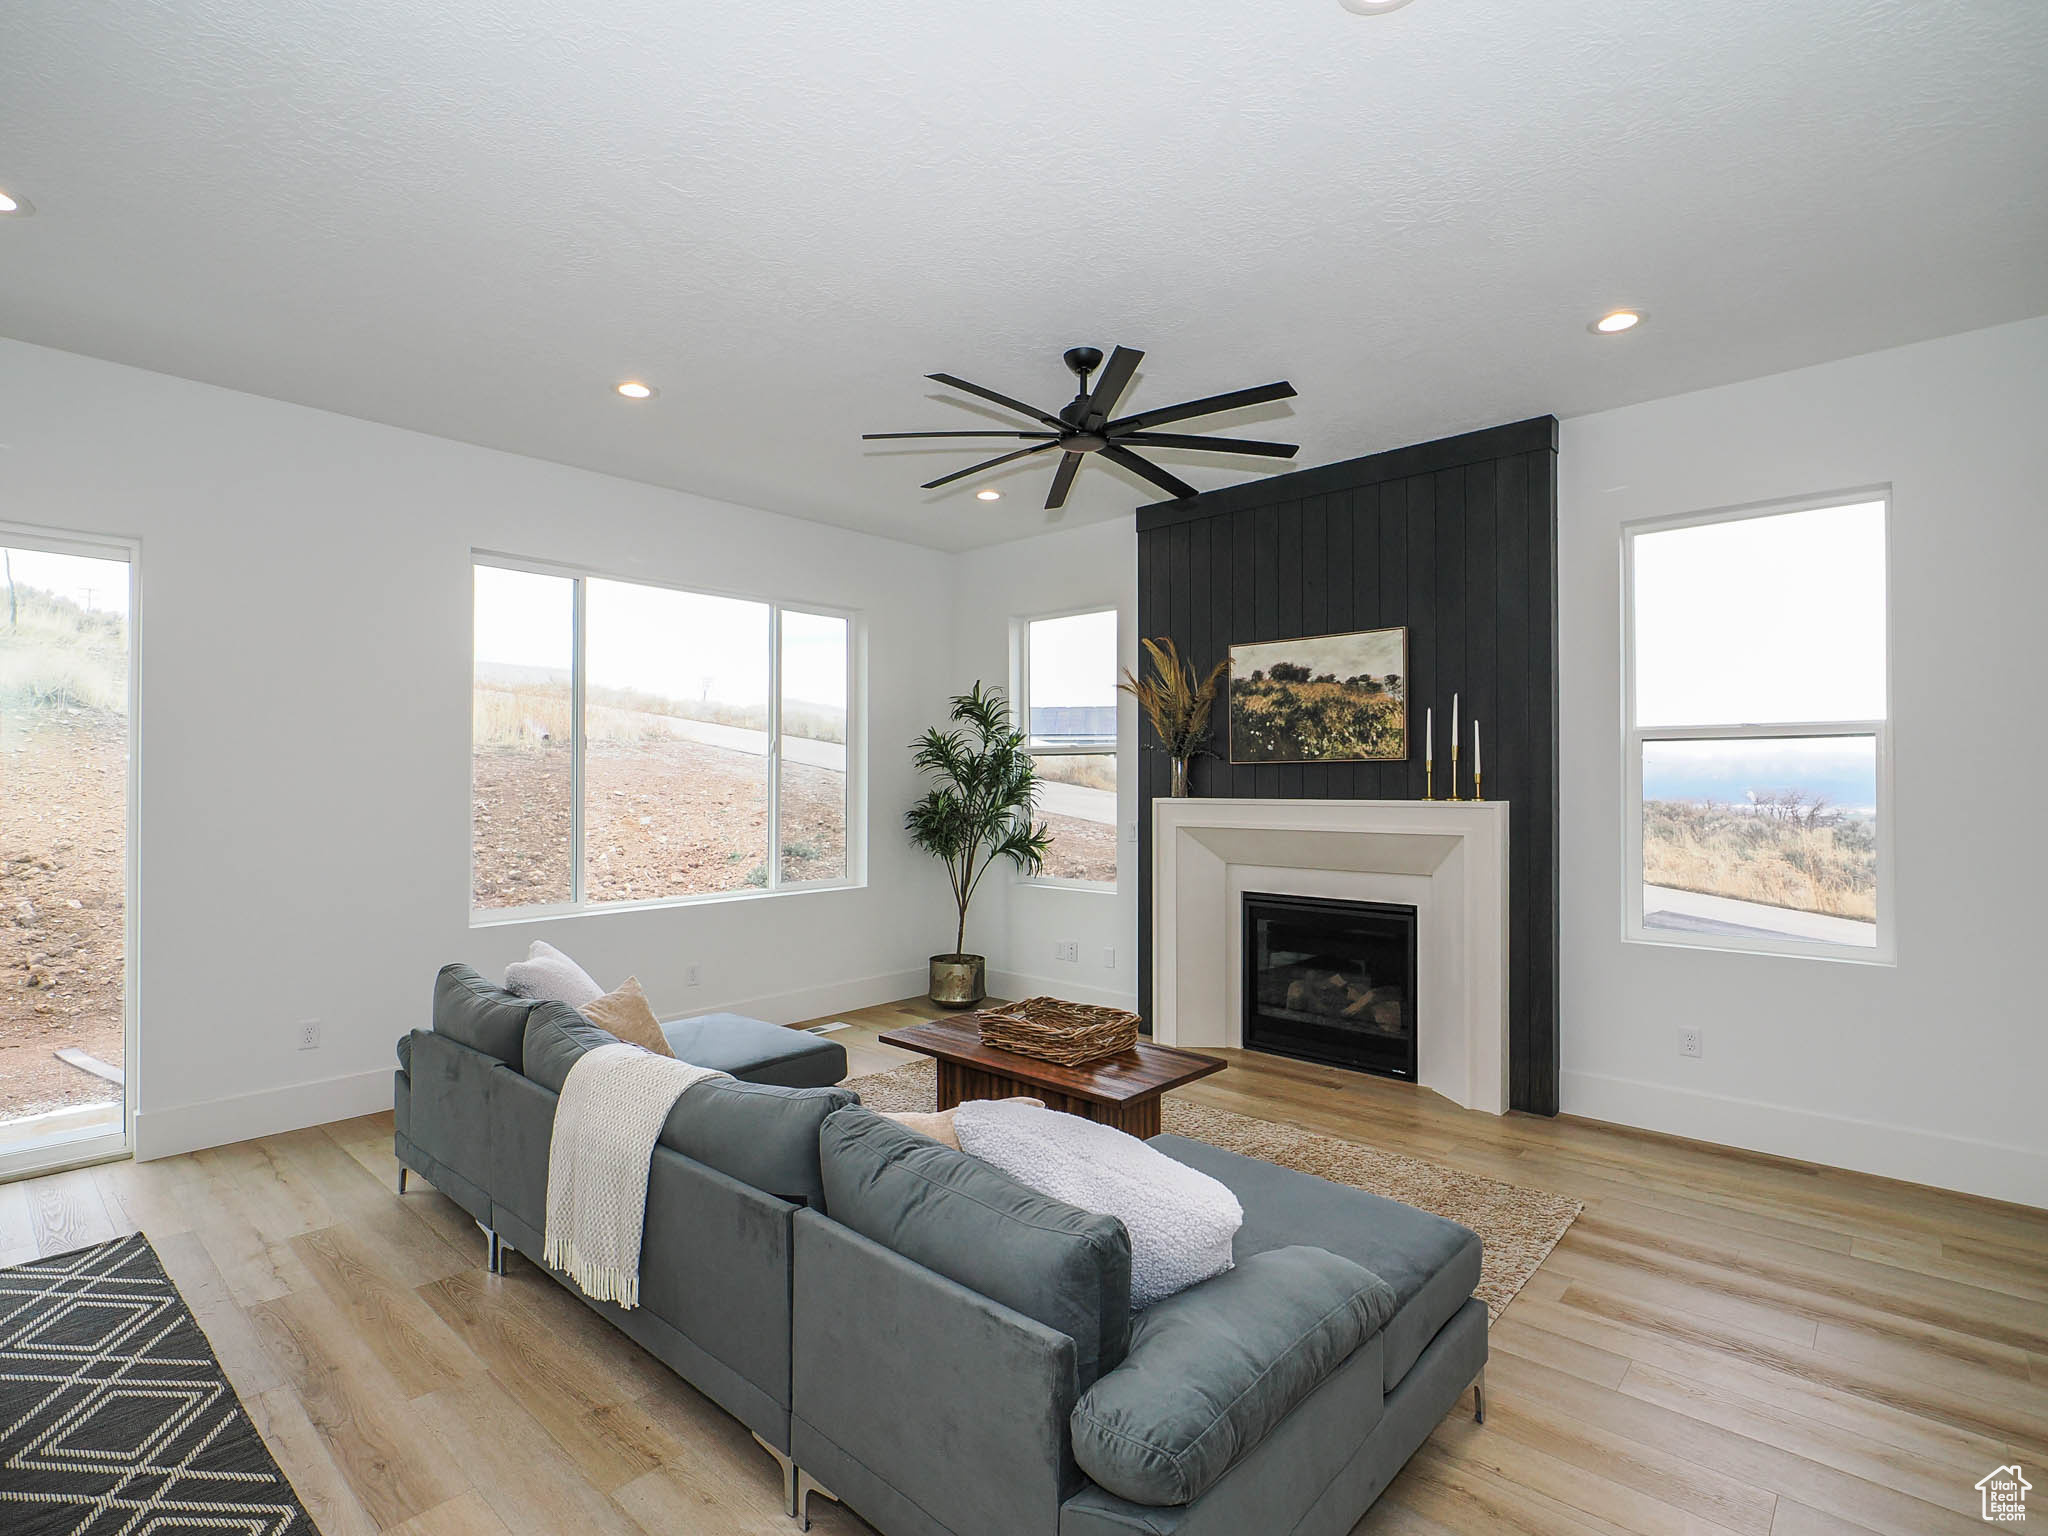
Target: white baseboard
[(833, 997), (1992, 1169), (217, 1122), (1014, 984)]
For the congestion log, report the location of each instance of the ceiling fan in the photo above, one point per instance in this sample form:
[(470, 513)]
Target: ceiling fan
[(1088, 424)]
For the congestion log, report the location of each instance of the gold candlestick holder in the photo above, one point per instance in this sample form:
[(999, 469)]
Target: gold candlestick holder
[(1454, 771), (1429, 778), (1478, 779)]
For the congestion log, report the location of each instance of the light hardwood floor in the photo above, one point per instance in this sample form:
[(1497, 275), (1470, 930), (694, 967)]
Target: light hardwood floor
[(1722, 1343)]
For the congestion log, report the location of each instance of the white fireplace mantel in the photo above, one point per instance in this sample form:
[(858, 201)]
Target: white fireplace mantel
[(1447, 858)]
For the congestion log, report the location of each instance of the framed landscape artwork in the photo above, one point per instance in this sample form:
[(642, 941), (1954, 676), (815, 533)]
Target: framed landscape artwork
[(1321, 699)]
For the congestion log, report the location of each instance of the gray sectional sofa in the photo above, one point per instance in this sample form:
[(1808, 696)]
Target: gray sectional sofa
[(951, 1354)]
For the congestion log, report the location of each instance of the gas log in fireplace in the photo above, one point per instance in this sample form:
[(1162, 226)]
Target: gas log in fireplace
[(1331, 981)]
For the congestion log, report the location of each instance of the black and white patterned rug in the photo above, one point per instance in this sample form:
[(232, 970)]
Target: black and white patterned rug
[(115, 1417)]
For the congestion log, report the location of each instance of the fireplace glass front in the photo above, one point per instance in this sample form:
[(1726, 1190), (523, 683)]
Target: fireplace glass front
[(1331, 981)]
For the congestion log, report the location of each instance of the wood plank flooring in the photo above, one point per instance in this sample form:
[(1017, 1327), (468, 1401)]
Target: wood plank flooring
[(1724, 1343)]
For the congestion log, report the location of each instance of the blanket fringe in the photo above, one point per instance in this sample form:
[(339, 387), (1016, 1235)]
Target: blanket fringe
[(596, 1281)]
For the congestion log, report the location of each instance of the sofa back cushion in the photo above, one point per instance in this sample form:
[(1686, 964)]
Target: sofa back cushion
[(1061, 1266), (1213, 1370), (472, 1012), (763, 1135)]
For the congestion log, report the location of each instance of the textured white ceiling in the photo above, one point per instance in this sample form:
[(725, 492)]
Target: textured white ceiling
[(471, 217)]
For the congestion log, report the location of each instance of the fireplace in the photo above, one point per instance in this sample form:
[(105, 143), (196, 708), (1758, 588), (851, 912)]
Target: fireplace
[(1331, 981)]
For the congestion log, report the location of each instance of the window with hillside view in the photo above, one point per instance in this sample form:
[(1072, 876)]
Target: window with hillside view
[(638, 743), (1068, 699), (65, 754), (1757, 731)]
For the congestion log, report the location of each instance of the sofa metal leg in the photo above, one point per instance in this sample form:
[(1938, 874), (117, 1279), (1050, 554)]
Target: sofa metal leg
[(495, 1250), (806, 1485), (788, 1475), (402, 1172), (1479, 1396)]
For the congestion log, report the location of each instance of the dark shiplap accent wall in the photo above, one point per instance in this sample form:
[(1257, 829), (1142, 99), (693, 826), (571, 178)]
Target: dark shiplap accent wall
[(1457, 540)]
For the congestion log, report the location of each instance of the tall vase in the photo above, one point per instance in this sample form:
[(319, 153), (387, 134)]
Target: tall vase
[(1180, 777)]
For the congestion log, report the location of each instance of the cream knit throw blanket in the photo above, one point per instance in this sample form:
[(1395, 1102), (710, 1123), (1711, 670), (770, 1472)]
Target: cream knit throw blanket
[(614, 1103)]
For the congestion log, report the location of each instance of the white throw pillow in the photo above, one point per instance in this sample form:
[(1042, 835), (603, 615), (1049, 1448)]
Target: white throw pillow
[(551, 976), (1180, 1220)]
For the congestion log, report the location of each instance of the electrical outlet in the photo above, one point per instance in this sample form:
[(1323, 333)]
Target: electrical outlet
[(691, 977), (309, 1034), (1109, 958), (1067, 949), (1688, 1042)]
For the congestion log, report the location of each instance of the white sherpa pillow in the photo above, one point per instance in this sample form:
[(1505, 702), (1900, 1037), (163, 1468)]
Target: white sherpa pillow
[(1181, 1221), (551, 976)]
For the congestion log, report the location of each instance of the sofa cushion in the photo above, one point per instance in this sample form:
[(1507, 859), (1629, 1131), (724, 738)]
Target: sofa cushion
[(551, 976), (1212, 1370), (1059, 1265), (472, 1012), (762, 1134), (1431, 1264), (756, 1051)]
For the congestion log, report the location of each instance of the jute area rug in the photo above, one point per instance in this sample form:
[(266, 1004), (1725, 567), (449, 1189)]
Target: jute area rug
[(1517, 1227)]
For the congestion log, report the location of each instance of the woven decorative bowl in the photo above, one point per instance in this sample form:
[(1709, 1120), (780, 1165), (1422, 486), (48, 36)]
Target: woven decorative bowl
[(1052, 1029)]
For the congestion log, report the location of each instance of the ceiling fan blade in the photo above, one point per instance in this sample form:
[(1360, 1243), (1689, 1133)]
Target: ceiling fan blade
[(875, 437), (1114, 379), (975, 469), (1063, 480), (1204, 407), (1171, 484), (1003, 400), (1210, 444)]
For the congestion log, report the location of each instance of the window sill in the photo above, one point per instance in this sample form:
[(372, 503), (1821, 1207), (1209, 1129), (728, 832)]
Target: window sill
[(499, 917), (1837, 954), (1088, 887)]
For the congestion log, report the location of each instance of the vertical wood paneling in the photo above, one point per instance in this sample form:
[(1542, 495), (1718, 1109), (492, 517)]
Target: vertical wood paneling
[(1460, 551)]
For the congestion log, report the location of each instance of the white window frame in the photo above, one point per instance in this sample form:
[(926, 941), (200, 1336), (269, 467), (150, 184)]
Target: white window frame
[(579, 904), (77, 1150), (1884, 952), (1020, 706)]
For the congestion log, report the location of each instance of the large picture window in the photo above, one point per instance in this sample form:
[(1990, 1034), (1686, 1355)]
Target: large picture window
[(1067, 700), (1757, 684), (637, 743)]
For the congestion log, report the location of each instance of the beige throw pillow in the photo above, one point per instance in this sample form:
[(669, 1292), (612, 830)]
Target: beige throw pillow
[(626, 1012), (937, 1125)]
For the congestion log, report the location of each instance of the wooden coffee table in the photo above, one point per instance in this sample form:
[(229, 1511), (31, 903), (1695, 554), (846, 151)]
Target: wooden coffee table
[(1121, 1090)]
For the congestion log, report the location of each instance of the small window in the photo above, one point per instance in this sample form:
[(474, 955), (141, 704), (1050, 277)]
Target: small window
[(1069, 708), (1758, 746), (637, 743)]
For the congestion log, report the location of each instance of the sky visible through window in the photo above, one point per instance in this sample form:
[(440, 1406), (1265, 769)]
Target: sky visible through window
[(679, 645), (1762, 619), (98, 586)]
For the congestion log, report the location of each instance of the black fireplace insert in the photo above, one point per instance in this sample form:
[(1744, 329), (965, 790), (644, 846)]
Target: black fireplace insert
[(1331, 981)]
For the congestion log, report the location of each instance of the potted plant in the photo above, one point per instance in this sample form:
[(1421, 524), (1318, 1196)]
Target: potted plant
[(977, 810), (1178, 705)]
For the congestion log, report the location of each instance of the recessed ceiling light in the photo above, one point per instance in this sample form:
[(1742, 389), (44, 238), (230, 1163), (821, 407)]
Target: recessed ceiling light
[(988, 494), (1371, 7), (1614, 322), (9, 203), (633, 389)]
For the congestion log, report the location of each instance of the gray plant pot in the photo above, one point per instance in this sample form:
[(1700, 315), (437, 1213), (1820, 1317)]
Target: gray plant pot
[(959, 981)]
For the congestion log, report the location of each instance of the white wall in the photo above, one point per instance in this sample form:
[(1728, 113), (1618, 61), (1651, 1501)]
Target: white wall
[(1017, 922), (1932, 1070), (304, 728)]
